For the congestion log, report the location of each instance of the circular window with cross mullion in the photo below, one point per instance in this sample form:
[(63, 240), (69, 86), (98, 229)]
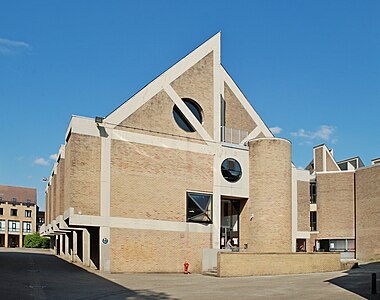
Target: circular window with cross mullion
[(180, 118)]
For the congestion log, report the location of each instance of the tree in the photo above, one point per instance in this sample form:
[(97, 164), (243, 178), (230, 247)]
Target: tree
[(36, 241)]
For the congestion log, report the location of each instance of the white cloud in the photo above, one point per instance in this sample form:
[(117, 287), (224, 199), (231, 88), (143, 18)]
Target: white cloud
[(53, 156), (9, 46), (276, 129), (41, 161), (324, 132)]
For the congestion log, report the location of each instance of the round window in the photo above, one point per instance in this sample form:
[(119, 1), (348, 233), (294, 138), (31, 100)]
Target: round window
[(181, 120), (231, 170)]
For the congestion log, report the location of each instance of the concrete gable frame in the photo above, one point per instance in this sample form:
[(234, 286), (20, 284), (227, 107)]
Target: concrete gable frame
[(261, 127), (163, 82)]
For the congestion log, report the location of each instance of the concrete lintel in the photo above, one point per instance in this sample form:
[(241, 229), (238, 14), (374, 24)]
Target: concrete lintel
[(117, 222)]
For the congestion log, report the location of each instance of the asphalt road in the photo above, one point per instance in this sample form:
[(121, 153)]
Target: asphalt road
[(31, 274), (26, 274)]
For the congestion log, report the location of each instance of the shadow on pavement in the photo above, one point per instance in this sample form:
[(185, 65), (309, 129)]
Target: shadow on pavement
[(44, 276), (358, 280)]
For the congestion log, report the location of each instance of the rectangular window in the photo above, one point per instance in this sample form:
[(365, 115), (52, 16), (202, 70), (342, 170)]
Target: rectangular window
[(26, 226), (14, 226), (28, 213), (1, 211), (313, 221), (2, 225), (313, 192), (199, 208), (14, 212)]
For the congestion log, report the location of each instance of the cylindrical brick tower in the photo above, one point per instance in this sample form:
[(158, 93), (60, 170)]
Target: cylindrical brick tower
[(270, 192)]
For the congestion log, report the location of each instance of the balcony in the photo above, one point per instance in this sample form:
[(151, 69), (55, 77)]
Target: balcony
[(233, 135)]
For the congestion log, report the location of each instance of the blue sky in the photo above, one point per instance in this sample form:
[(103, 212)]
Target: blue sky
[(310, 68)]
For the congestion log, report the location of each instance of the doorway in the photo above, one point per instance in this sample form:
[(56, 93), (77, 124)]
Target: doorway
[(13, 241), (229, 228)]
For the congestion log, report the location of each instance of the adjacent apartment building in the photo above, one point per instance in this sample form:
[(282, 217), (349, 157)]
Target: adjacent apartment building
[(18, 207), (186, 164)]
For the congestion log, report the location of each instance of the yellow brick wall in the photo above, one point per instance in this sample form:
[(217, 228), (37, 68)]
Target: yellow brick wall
[(303, 206), (236, 116), (82, 174), (231, 264), (156, 251), (155, 117), (368, 213), (150, 182), (330, 165), (61, 183), (197, 83), (335, 205), (270, 196), (318, 159)]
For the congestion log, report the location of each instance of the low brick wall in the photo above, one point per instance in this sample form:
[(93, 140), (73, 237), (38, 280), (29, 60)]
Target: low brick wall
[(234, 264)]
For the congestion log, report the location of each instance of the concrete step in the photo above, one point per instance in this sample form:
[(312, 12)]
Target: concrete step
[(211, 272)]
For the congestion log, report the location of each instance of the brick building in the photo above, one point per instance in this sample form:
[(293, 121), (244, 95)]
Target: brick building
[(18, 206), (187, 163)]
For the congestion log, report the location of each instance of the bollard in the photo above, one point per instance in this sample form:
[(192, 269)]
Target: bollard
[(374, 292)]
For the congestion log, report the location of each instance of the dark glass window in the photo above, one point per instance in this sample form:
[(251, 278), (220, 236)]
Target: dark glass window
[(13, 212), (343, 166), (231, 170), (181, 119), (313, 192), (1, 211), (28, 213), (313, 221), (199, 208)]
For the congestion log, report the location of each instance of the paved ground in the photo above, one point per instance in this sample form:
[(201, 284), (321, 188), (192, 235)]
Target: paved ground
[(28, 274)]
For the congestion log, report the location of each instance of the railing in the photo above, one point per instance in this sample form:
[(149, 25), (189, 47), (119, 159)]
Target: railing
[(233, 135), (14, 229)]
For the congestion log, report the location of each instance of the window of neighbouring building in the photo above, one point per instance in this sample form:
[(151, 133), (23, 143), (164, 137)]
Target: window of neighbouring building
[(313, 221), (181, 120), (28, 213), (14, 212), (26, 226), (2, 225), (1, 211), (199, 208), (14, 226), (231, 170)]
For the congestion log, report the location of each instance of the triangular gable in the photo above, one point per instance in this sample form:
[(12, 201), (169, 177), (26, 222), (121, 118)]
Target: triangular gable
[(323, 159), (163, 83), (261, 130)]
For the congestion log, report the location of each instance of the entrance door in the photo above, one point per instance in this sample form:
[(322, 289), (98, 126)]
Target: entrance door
[(229, 222)]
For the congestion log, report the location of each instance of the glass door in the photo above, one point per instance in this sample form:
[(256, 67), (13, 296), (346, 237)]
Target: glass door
[(229, 228)]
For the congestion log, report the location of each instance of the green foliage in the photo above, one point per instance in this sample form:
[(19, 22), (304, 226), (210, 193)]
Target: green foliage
[(36, 241)]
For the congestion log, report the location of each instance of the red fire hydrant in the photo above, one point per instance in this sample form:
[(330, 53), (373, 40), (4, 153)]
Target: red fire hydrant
[(186, 268)]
